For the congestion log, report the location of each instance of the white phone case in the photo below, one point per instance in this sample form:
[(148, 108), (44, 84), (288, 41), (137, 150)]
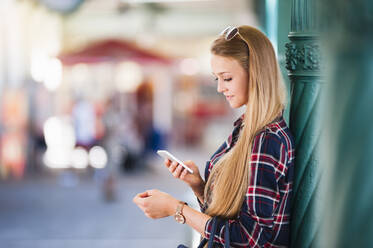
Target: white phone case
[(165, 154)]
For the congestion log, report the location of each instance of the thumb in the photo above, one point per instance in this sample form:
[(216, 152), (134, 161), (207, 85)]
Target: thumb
[(138, 200), (139, 197), (151, 192), (190, 164), (143, 195)]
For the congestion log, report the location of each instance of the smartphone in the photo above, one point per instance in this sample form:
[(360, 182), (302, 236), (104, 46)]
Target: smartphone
[(165, 154)]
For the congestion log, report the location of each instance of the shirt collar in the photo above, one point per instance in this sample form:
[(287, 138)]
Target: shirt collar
[(239, 120)]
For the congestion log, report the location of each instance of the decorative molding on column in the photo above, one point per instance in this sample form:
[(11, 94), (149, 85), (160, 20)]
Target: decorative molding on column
[(303, 56)]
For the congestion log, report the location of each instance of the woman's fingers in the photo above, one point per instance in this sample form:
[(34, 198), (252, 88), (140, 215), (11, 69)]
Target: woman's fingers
[(167, 162), (183, 174), (178, 171), (173, 167)]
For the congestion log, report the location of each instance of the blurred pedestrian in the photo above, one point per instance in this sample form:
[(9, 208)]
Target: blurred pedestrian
[(248, 180), (84, 123)]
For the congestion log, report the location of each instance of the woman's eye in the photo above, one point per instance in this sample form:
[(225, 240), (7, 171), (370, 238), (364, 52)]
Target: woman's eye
[(226, 79)]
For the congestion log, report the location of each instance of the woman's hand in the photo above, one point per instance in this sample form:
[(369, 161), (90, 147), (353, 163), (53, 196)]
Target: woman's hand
[(156, 204), (194, 180)]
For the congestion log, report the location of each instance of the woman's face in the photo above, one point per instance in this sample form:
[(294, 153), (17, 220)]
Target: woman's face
[(232, 79)]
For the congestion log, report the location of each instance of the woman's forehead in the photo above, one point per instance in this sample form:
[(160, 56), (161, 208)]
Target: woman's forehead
[(221, 65)]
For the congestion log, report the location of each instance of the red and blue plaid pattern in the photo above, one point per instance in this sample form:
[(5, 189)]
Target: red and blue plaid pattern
[(264, 219)]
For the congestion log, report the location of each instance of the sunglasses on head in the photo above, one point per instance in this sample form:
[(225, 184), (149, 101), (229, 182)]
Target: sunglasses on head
[(229, 33)]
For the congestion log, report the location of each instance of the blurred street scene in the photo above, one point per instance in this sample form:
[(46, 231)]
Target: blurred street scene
[(89, 91), (73, 210)]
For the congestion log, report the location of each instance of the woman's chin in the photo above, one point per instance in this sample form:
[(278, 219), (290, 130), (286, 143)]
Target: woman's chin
[(235, 105)]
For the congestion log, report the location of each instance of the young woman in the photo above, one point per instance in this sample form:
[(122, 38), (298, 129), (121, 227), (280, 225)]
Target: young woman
[(249, 178)]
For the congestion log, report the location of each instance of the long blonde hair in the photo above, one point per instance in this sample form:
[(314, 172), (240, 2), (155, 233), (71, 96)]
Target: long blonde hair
[(266, 100)]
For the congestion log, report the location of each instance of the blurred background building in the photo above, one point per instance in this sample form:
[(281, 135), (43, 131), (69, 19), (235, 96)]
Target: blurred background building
[(90, 89), (125, 76)]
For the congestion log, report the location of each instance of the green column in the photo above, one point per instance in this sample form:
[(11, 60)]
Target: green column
[(283, 27), (303, 65), (348, 40)]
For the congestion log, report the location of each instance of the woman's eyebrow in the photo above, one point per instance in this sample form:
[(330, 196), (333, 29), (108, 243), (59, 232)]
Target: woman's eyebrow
[(220, 72)]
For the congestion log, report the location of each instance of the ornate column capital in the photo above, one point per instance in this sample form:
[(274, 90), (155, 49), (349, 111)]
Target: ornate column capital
[(303, 57)]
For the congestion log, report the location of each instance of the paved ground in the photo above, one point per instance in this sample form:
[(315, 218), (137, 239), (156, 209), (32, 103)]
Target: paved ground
[(41, 212)]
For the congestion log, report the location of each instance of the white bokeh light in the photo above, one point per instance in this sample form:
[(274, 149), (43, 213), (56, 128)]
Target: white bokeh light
[(128, 76), (98, 157), (38, 65), (79, 158), (60, 139), (53, 74), (59, 132)]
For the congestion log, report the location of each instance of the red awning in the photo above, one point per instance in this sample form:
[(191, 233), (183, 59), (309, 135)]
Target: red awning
[(112, 50)]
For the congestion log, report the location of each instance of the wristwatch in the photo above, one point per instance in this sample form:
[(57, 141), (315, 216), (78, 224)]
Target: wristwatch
[(179, 217)]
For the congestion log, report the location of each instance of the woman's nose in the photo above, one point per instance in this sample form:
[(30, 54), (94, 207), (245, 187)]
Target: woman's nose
[(221, 87)]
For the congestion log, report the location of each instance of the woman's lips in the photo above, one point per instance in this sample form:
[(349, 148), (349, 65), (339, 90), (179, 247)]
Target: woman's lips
[(229, 97)]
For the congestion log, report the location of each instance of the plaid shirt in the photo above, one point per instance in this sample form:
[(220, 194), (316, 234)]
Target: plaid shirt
[(264, 219)]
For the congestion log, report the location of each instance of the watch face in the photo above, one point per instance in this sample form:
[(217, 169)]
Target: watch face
[(180, 218)]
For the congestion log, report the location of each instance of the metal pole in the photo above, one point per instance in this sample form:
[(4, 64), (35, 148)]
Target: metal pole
[(303, 65)]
